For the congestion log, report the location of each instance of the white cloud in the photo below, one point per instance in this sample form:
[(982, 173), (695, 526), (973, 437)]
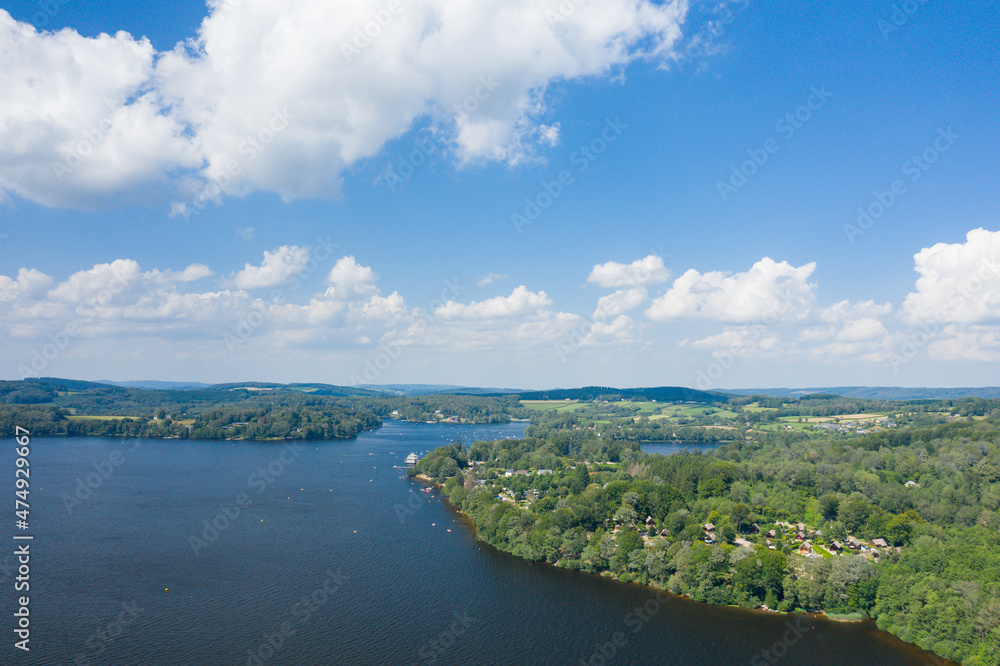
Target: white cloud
[(520, 302), (490, 278), (768, 291), (292, 119), (958, 282), (648, 270), (845, 310), (350, 279), (279, 266), (966, 343), (741, 341), (111, 279), (619, 302), (860, 330)]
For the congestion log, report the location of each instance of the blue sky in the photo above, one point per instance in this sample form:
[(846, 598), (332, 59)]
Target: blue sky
[(657, 262)]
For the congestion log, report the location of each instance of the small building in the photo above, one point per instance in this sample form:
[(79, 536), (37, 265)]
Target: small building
[(911, 484), (411, 460), (650, 523), (771, 534), (708, 527), (835, 547), (664, 532), (805, 549), (878, 543), (755, 528), (853, 543)]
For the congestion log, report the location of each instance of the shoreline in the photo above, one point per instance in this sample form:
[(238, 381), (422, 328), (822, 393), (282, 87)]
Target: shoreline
[(611, 576)]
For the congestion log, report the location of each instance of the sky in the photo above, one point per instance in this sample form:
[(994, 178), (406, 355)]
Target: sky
[(510, 193)]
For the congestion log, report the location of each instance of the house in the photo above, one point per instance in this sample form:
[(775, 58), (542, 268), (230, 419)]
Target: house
[(853, 543), (878, 543), (755, 528), (509, 472), (771, 534), (411, 460), (805, 549), (650, 523), (800, 536), (664, 532), (708, 527), (835, 547), (911, 484), (743, 542)]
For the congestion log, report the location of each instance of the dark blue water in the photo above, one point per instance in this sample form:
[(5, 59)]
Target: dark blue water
[(338, 560)]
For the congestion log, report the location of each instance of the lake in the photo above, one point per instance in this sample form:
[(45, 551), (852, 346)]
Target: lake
[(196, 552)]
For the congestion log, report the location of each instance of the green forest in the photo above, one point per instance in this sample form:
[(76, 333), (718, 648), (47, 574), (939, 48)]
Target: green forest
[(252, 411), (572, 496)]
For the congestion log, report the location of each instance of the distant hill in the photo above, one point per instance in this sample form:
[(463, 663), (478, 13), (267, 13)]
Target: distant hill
[(408, 390), (879, 392), (162, 386), (661, 394)]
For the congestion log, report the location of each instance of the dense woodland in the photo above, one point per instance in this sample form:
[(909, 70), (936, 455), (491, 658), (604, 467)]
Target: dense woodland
[(937, 585), (256, 411)]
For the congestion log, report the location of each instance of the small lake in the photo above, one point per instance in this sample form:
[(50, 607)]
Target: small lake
[(337, 558)]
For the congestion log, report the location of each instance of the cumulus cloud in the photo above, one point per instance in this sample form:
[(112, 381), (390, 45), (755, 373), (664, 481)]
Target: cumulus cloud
[(520, 302), (846, 309), (959, 282), (490, 278), (203, 120), (349, 278), (278, 267), (649, 270), (769, 290), (618, 303)]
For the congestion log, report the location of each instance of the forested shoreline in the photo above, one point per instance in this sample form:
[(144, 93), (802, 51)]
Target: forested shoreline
[(569, 497)]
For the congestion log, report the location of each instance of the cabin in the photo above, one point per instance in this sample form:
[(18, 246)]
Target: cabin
[(650, 523), (800, 536), (878, 543), (755, 528), (911, 484), (771, 534), (708, 527), (664, 532), (835, 547), (805, 549), (853, 543), (411, 460)]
